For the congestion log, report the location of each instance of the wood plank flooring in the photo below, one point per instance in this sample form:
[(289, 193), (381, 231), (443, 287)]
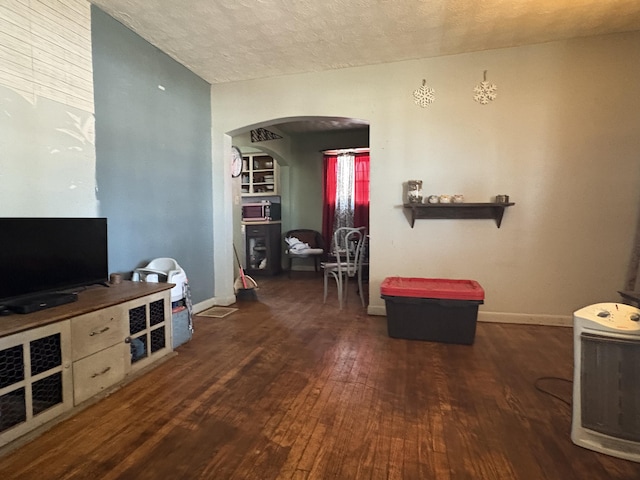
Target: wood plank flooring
[(290, 388)]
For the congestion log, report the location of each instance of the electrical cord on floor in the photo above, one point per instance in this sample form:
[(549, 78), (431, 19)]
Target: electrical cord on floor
[(540, 389)]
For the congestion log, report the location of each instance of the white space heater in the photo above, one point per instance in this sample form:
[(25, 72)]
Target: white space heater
[(606, 380)]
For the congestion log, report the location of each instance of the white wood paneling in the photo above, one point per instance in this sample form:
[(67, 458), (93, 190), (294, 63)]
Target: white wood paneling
[(45, 50)]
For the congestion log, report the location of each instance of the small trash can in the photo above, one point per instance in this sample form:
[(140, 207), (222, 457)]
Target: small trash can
[(433, 309)]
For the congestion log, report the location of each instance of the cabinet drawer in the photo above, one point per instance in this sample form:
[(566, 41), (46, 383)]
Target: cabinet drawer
[(96, 331), (99, 371), (253, 230)]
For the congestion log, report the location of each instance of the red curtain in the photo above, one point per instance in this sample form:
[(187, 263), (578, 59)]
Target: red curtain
[(329, 197), (361, 194), (361, 191)]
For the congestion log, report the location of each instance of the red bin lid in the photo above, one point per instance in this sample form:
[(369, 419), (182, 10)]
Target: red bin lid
[(432, 288)]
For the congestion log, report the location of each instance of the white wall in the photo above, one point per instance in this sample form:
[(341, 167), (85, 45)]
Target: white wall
[(47, 159), (560, 139)]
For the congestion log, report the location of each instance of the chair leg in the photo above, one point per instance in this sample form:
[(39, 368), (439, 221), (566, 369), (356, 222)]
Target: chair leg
[(339, 287), (360, 291), (326, 280), (345, 288)]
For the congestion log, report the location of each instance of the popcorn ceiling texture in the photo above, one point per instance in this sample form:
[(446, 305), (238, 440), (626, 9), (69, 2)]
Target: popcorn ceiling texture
[(231, 40)]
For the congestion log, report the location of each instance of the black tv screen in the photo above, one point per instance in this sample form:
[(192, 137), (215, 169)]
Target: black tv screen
[(41, 255)]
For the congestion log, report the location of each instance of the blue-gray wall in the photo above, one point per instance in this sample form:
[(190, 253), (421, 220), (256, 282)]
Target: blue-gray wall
[(153, 155)]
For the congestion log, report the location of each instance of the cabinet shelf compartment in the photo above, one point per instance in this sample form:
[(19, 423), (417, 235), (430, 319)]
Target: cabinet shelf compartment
[(147, 330), (260, 176), (493, 211)]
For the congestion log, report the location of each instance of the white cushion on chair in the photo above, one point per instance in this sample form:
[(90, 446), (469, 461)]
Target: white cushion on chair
[(301, 249), (306, 252)]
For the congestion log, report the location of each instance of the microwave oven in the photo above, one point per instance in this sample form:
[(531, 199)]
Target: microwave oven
[(260, 211)]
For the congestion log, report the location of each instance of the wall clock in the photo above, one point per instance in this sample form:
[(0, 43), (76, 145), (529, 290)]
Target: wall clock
[(236, 162)]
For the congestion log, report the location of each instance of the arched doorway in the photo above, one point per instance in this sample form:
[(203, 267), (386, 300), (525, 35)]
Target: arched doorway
[(296, 144)]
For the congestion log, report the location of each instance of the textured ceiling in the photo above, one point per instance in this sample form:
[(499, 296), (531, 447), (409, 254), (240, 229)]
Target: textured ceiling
[(230, 40)]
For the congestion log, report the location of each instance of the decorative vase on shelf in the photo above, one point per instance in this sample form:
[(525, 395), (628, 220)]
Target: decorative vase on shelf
[(414, 191)]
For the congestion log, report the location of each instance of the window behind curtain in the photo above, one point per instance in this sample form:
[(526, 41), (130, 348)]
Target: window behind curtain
[(345, 192)]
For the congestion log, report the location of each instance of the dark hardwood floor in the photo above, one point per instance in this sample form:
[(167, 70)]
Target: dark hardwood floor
[(289, 388)]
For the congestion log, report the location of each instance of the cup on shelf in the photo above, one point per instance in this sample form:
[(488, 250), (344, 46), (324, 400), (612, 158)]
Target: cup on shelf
[(445, 199), (458, 198), (433, 199)]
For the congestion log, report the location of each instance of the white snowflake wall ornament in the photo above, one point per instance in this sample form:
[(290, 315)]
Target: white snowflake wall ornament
[(424, 95), (485, 92)]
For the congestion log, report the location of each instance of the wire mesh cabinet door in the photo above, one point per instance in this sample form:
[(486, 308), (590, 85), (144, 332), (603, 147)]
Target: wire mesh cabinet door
[(150, 335), (36, 382)]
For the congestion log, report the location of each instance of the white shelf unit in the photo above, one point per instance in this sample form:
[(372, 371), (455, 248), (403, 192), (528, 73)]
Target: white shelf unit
[(259, 175)]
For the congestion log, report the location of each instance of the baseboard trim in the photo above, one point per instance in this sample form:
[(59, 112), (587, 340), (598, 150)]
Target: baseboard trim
[(526, 319), (377, 310), (213, 302), (501, 317)]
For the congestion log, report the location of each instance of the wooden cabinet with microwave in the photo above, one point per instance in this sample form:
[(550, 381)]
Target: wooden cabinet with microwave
[(259, 175)]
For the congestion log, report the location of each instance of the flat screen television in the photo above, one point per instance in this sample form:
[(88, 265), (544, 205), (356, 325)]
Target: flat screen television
[(40, 256)]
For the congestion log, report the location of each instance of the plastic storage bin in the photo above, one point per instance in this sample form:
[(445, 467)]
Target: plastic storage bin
[(434, 309), (181, 327)]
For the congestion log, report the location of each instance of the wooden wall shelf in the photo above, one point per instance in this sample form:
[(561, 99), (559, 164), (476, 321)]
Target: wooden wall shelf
[(457, 210)]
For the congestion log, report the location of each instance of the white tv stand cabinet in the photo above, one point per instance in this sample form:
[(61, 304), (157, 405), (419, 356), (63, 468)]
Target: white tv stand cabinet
[(55, 360)]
